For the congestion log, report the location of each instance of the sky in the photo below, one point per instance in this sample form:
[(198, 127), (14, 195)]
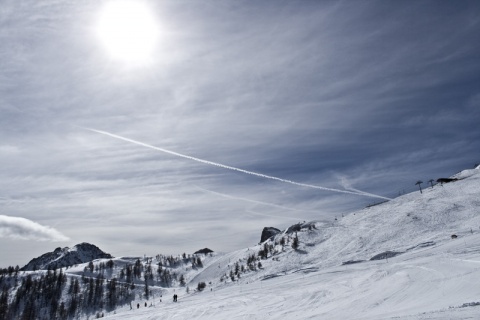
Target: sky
[(170, 126)]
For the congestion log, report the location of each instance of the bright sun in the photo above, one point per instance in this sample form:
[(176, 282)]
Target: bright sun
[(128, 30)]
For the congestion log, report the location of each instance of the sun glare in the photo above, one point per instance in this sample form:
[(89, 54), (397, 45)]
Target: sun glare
[(128, 31)]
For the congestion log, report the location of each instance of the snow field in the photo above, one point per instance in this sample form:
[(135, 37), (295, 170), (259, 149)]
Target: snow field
[(433, 277)]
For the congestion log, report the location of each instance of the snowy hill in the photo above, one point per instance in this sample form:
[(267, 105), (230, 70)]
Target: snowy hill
[(66, 257), (395, 260), (432, 276)]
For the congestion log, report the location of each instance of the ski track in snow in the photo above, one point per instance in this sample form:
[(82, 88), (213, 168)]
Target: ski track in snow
[(434, 278)]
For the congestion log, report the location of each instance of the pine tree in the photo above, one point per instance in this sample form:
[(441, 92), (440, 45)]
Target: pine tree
[(266, 250), (146, 287), (182, 280), (62, 311), (53, 308), (110, 264), (4, 304), (29, 311), (237, 268), (295, 242), (201, 286), (98, 297), (72, 309), (112, 293)]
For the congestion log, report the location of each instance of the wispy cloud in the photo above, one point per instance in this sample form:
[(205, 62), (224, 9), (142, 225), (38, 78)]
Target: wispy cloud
[(253, 201), (24, 229), (355, 192), (382, 93)]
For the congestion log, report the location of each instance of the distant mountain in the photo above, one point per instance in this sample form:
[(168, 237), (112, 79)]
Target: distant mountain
[(66, 257)]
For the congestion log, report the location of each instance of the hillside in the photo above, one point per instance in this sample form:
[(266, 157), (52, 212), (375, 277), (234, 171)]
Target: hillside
[(417, 272)]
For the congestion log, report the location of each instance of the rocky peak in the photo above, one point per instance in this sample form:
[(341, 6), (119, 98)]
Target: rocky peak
[(66, 257), (204, 251), (268, 232)]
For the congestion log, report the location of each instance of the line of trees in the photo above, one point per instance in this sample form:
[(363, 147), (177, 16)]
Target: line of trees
[(52, 295)]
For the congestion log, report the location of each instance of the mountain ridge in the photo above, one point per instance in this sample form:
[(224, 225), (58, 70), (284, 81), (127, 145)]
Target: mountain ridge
[(66, 257)]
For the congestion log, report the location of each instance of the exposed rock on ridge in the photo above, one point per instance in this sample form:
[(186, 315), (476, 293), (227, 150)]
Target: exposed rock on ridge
[(268, 232), (66, 257), (204, 251)]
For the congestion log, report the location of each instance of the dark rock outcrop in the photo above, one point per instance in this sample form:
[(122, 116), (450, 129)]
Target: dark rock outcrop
[(385, 255), (204, 251), (294, 228), (297, 227), (351, 262), (268, 232), (66, 257), (446, 180)]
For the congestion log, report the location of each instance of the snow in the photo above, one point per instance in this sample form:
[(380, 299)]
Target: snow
[(425, 275), (431, 283), (432, 277)]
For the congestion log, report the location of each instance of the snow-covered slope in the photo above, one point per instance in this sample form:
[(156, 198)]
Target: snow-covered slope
[(331, 276), (432, 283), (407, 223), (395, 260)]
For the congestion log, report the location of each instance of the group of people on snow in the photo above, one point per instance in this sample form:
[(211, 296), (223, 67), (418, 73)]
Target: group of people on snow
[(175, 297)]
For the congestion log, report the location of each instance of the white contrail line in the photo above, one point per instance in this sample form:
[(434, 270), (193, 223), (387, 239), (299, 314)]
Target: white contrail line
[(254, 201), (251, 212), (360, 192), (346, 184), (231, 168)]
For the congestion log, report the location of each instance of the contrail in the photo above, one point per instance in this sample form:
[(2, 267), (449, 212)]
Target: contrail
[(253, 201), (346, 184), (270, 216), (230, 167)]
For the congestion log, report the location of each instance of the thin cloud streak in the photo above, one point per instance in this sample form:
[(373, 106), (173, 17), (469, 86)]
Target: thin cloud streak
[(269, 215), (365, 194), (253, 201), (24, 229), (383, 93)]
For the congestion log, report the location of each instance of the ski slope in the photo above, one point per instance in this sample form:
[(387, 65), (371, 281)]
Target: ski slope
[(430, 283), (432, 276)]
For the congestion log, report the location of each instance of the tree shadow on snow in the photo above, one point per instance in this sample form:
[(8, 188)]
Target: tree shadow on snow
[(301, 251)]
